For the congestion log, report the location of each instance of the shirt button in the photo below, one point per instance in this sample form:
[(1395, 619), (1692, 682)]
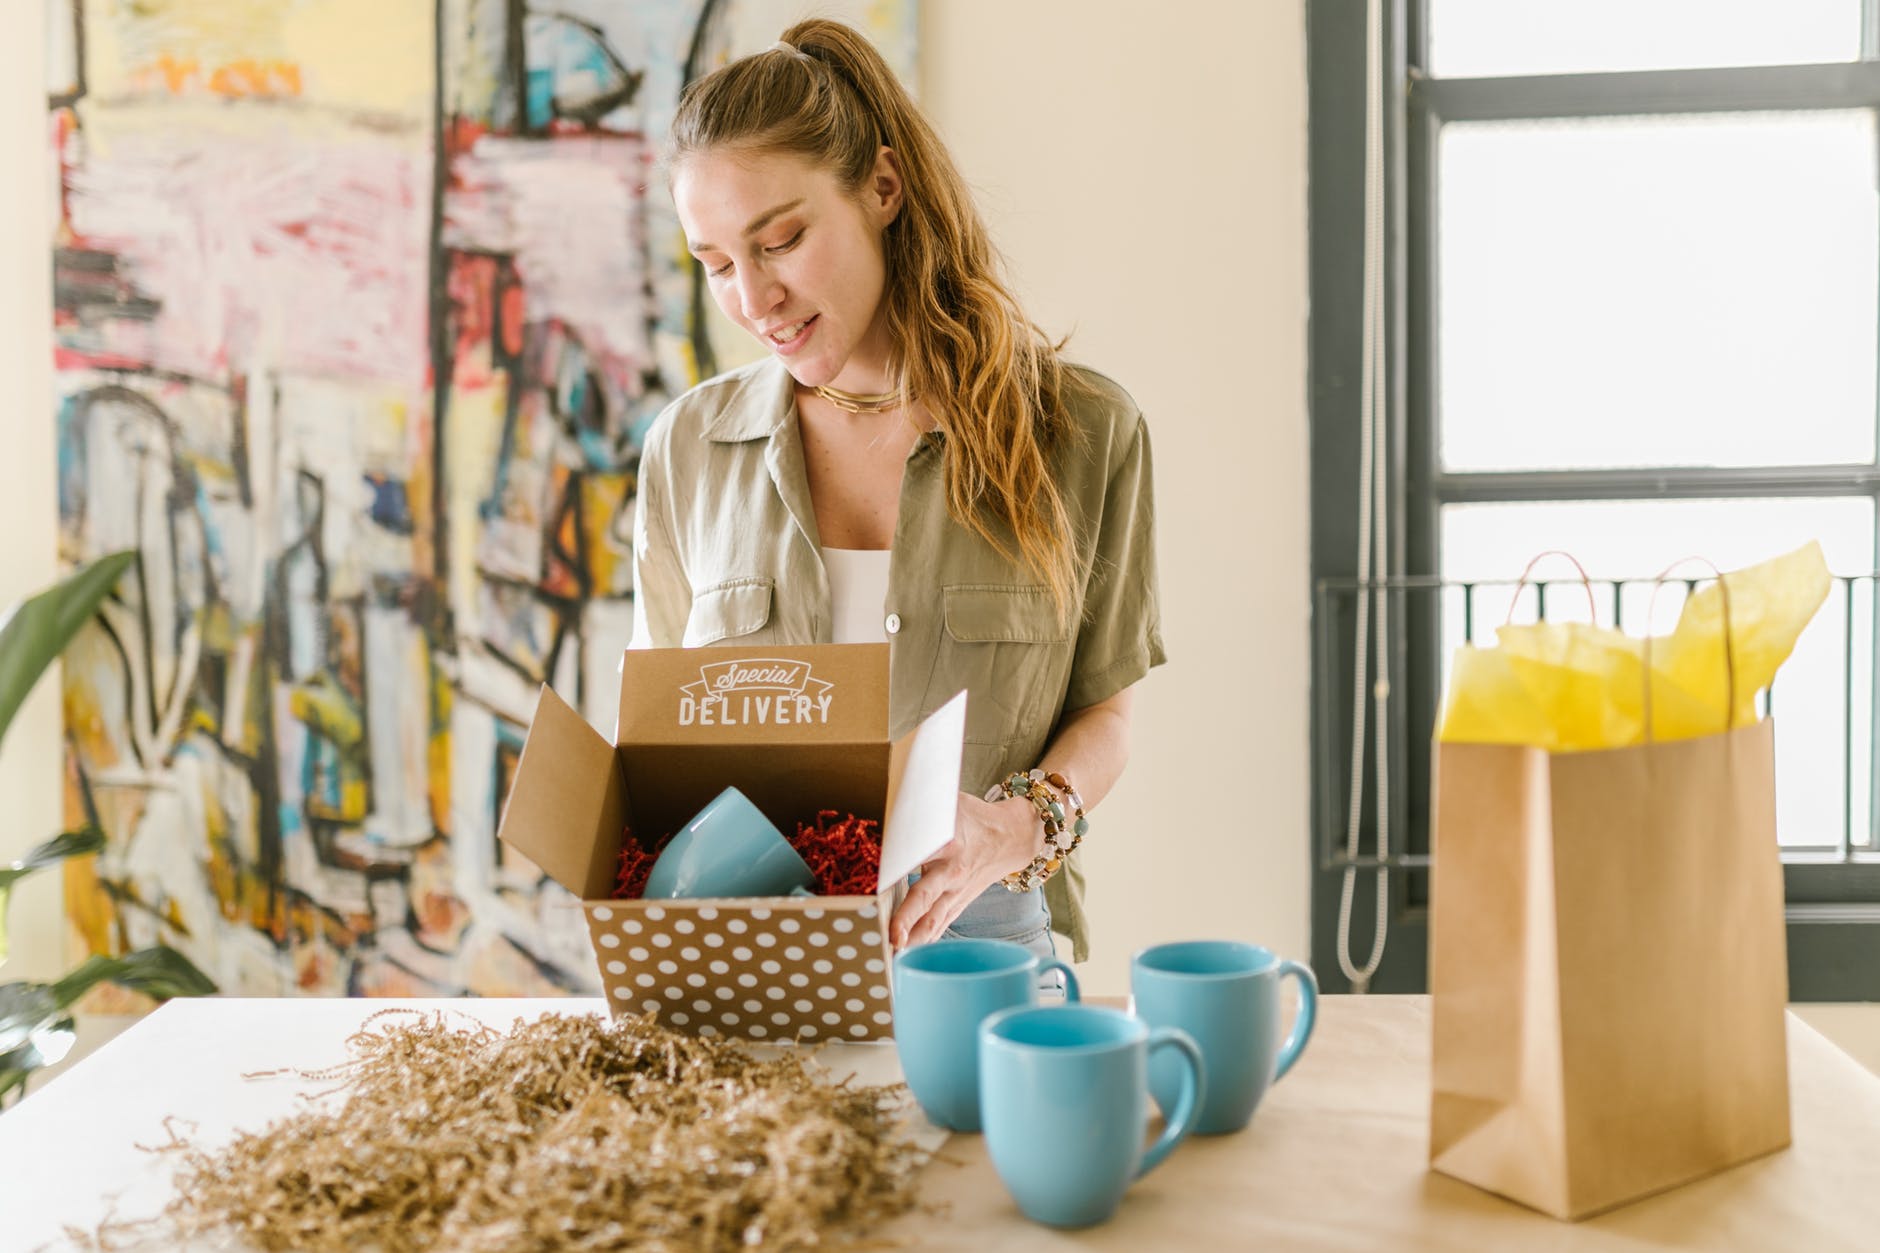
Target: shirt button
[(894, 623)]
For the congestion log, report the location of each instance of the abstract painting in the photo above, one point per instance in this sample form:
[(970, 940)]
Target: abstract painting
[(362, 308)]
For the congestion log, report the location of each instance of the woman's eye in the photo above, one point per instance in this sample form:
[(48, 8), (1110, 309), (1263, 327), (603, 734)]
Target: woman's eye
[(787, 244), (721, 271)]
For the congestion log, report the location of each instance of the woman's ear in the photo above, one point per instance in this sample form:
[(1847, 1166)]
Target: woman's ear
[(885, 188)]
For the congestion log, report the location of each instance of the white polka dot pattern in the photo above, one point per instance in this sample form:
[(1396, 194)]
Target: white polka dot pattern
[(775, 970)]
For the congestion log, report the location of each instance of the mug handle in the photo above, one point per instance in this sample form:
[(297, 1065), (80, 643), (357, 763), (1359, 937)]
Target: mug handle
[(1308, 1012), (1071, 993), (1187, 1104)]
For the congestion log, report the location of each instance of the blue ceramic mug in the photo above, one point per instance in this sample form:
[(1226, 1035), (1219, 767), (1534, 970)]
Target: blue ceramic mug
[(1064, 1093), (728, 849), (942, 992), (1226, 995)]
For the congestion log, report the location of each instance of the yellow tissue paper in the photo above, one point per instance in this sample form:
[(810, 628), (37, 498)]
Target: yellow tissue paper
[(1569, 686)]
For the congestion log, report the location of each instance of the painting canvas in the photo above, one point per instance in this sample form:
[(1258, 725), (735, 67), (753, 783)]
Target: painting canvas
[(362, 308)]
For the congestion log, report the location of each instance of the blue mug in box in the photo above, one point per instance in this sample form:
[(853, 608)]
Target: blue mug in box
[(729, 849)]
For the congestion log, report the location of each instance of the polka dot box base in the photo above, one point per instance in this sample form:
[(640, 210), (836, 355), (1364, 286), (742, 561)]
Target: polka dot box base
[(770, 968), (765, 968)]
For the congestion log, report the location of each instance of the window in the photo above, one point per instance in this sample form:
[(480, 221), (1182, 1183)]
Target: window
[(1632, 310)]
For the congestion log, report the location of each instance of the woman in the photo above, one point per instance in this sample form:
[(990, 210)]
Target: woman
[(913, 463)]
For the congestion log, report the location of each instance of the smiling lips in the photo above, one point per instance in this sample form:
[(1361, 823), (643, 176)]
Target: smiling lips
[(787, 337)]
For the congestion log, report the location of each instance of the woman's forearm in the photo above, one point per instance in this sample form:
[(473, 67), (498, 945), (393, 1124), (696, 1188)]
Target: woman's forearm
[(1092, 747)]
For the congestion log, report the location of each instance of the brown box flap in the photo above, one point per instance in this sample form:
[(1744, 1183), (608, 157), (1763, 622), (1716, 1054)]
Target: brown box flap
[(810, 694), (568, 804)]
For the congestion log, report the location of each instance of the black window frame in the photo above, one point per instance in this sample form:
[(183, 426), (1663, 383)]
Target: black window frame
[(1833, 906)]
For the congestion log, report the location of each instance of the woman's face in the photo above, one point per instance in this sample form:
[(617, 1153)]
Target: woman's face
[(795, 259)]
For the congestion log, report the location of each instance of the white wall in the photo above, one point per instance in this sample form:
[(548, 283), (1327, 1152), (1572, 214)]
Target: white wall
[(31, 762), (1144, 169)]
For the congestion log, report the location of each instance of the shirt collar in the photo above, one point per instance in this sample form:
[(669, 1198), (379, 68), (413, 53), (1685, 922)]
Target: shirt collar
[(757, 407), (762, 401)]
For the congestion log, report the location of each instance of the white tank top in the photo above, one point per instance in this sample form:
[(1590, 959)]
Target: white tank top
[(858, 594)]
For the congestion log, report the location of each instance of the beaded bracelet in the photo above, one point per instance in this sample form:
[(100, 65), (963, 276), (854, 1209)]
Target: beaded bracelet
[(1036, 787)]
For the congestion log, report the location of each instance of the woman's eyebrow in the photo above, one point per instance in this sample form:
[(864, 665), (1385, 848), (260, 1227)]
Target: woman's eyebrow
[(758, 223)]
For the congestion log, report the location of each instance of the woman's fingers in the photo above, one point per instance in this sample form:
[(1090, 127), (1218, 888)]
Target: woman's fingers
[(944, 911), (920, 898), (938, 887)]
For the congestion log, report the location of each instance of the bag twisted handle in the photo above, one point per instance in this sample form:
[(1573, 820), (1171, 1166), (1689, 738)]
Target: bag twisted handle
[(1592, 606)]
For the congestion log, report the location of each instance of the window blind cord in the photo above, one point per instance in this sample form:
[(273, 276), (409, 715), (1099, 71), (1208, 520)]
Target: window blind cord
[(1373, 533)]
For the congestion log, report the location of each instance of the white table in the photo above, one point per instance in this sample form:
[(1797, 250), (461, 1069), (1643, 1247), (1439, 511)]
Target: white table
[(1334, 1161), (68, 1152)]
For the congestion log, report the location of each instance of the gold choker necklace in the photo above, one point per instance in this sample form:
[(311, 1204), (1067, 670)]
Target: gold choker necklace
[(855, 402)]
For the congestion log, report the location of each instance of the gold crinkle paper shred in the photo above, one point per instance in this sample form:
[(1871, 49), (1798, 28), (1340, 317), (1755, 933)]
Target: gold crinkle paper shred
[(566, 1132)]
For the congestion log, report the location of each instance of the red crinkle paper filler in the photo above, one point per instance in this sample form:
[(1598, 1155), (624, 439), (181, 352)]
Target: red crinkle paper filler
[(844, 855), (636, 863)]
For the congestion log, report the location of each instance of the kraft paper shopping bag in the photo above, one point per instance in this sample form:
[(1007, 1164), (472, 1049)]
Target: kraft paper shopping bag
[(1607, 967)]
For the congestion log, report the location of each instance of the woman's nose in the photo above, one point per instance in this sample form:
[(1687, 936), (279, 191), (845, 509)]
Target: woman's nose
[(758, 293)]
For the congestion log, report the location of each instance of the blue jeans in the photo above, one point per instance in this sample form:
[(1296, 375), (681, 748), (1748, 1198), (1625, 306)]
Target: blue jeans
[(1000, 914)]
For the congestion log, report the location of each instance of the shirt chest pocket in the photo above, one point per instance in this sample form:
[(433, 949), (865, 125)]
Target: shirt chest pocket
[(1006, 646), (731, 610)]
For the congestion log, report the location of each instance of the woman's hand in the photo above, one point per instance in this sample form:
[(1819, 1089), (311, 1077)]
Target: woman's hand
[(990, 840)]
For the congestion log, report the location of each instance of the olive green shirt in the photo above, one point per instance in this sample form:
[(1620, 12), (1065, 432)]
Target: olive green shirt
[(727, 551)]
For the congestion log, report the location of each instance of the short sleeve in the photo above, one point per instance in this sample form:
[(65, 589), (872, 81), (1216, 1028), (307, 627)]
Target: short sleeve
[(1121, 634), (662, 597)]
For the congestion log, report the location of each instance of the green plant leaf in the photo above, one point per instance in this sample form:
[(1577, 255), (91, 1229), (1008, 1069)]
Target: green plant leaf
[(161, 972), (57, 849), (25, 1009), (45, 1045), (39, 628), (36, 1026), (13, 1075)]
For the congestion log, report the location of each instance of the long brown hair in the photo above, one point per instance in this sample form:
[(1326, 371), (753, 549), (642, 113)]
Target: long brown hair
[(988, 374)]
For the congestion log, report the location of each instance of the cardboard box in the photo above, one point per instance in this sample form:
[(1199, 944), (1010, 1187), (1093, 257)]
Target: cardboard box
[(797, 729)]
